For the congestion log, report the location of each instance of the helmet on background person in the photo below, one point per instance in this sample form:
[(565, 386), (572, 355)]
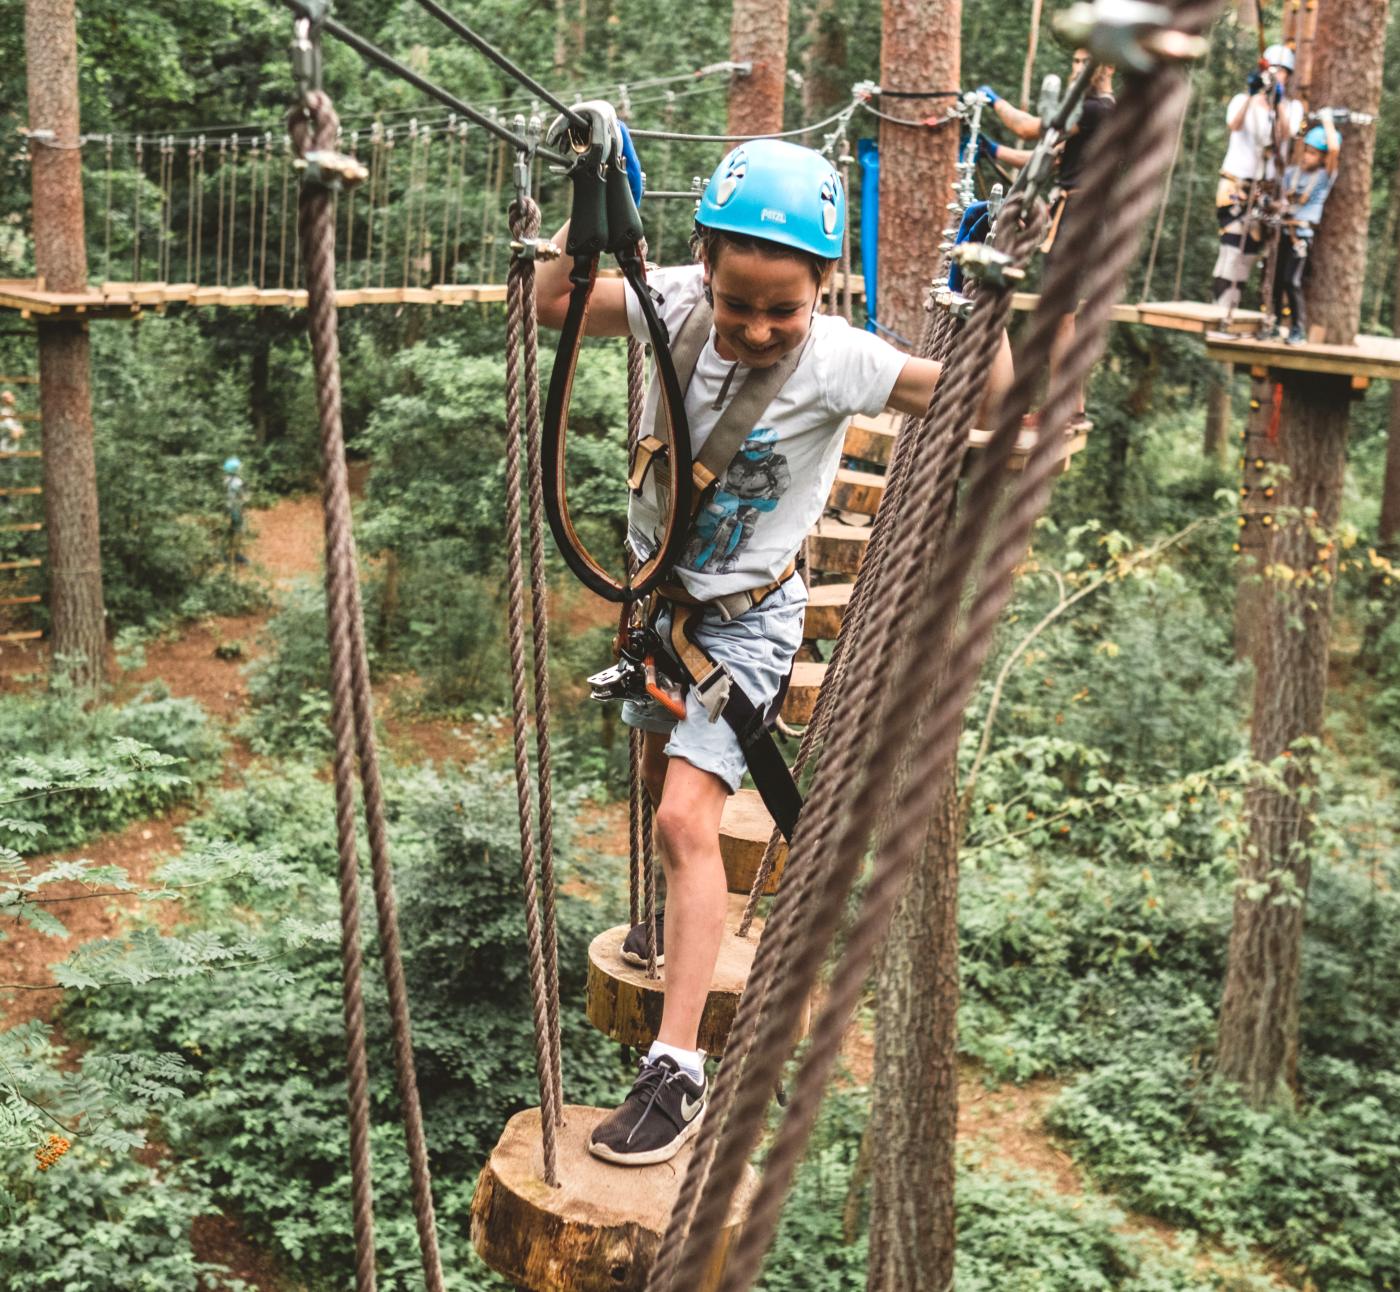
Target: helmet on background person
[(778, 191), (233, 465), (1317, 138), (1279, 56)]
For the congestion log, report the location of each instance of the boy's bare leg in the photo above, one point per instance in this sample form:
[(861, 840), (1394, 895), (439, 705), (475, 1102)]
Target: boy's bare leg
[(687, 830)]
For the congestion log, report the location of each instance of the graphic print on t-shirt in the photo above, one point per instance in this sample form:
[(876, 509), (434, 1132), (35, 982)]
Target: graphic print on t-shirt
[(752, 483)]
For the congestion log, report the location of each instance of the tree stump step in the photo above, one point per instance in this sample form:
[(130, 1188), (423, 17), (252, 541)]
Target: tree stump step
[(744, 830), (803, 688), (826, 608), (857, 491), (624, 1004), (836, 548), (600, 1231)]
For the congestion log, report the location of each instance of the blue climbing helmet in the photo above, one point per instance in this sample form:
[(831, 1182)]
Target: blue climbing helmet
[(1316, 138), (232, 465), (759, 444), (778, 191)]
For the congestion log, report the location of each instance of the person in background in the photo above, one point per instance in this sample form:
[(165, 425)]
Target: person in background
[(1261, 123), (1305, 189), (1094, 110), (233, 502)]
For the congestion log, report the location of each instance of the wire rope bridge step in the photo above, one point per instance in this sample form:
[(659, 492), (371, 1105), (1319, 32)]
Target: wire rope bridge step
[(600, 1230)]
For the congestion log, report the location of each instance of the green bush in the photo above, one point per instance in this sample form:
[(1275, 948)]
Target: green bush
[(289, 683), (76, 772)]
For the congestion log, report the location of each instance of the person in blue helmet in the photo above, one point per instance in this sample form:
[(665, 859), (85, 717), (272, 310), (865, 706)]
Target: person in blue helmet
[(233, 505), (1305, 188), (767, 233)]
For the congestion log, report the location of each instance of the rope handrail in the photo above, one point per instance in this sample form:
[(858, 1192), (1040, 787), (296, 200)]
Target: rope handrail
[(677, 136)]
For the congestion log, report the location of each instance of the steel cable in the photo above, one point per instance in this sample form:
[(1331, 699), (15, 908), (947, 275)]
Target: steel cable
[(353, 721)]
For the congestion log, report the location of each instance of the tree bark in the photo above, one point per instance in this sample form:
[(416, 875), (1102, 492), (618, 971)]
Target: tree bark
[(914, 1112), (1247, 14), (921, 49), (1216, 443), (1258, 1034), (65, 388), (758, 34), (826, 80)]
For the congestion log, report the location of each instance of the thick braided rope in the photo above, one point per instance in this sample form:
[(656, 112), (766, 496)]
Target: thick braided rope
[(314, 228), (1158, 104), (792, 925), (349, 655), (525, 223), (935, 336), (796, 897), (545, 1058)]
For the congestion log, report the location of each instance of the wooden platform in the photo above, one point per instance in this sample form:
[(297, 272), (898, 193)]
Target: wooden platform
[(1174, 316), (837, 547), (129, 300), (801, 699), (826, 608), (1369, 357), (600, 1230)]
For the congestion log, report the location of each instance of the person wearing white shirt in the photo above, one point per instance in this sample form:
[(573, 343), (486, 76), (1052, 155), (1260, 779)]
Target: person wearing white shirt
[(1262, 122)]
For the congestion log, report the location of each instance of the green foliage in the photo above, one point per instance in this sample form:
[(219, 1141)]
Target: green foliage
[(70, 773), (267, 1121), (289, 682)]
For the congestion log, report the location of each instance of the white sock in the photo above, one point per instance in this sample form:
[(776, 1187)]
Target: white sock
[(691, 1062)]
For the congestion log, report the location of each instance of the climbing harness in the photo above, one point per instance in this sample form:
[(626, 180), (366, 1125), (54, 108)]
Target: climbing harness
[(605, 219)]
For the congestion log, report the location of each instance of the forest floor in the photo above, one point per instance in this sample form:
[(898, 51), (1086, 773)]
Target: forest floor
[(1004, 1126)]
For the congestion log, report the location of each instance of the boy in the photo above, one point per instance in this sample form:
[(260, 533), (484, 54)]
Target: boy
[(768, 231), (1305, 189)]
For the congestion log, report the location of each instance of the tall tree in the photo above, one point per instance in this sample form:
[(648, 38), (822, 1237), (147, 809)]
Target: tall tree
[(1258, 1034), (758, 34), (920, 50), (826, 80), (65, 386)]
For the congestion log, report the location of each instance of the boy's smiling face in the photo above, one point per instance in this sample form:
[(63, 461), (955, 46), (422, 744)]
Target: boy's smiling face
[(763, 304)]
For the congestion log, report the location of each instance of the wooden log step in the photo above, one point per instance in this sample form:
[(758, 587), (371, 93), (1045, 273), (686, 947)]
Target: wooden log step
[(826, 608), (857, 491), (601, 1229), (21, 453), (871, 439), (624, 1004), (33, 563), (743, 835), (22, 491), (20, 637), (801, 699), (836, 548), (18, 381), (32, 527), (20, 601)]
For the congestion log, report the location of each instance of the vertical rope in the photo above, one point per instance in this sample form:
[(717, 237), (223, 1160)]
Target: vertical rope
[(136, 211), (219, 230), (1190, 196), (107, 217), (410, 192), (422, 245), (450, 189), (350, 212), (199, 212), (254, 155), (282, 217), (637, 858), (388, 196), (525, 223), (846, 293), (486, 207), (266, 208), (232, 207), (546, 1059), (189, 212), (461, 203), (350, 667)]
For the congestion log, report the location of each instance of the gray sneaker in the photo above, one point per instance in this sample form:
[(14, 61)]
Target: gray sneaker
[(663, 1110), (634, 945)]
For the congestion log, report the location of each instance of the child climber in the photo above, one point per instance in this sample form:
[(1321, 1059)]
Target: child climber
[(767, 233), (1305, 189)]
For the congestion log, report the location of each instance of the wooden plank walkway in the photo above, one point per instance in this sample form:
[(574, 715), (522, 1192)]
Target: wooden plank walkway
[(1370, 357)]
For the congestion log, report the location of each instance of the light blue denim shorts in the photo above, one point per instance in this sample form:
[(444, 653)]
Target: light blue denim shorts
[(757, 648)]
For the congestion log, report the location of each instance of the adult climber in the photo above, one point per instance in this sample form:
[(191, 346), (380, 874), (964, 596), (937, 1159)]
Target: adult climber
[(1093, 111), (1262, 122)]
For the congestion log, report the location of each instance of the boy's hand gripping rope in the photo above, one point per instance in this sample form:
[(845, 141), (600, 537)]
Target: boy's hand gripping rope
[(605, 218), (313, 127)]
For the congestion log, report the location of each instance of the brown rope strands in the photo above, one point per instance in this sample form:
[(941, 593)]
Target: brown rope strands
[(637, 857), (924, 733), (525, 223), (353, 726), (519, 289)]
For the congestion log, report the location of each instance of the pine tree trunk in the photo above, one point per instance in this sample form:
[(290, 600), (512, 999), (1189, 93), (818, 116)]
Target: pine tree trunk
[(914, 1112), (826, 79), (758, 34), (1258, 1035), (921, 50), (1247, 14), (1216, 443), (65, 389)]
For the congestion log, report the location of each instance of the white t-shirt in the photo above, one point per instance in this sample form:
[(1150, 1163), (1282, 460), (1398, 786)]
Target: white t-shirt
[(1249, 155), (774, 491)]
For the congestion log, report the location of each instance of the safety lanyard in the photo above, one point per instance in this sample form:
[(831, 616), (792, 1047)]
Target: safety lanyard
[(604, 219)]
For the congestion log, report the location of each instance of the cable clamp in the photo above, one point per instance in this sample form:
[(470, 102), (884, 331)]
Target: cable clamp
[(1134, 34), (331, 171), (988, 265), (534, 249)]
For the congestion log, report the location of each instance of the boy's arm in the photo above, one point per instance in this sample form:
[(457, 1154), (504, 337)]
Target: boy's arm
[(918, 379), (607, 306)]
